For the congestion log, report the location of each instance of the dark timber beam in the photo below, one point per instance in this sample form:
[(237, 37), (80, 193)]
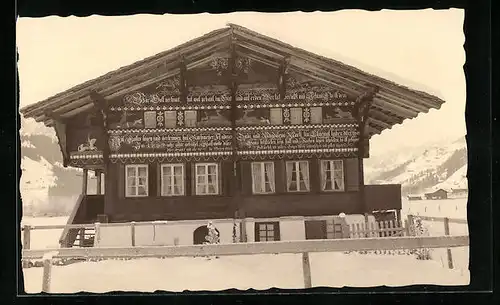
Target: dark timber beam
[(283, 77), (183, 79), (363, 103)]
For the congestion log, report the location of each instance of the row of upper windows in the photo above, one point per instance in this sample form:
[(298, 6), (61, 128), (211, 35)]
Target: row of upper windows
[(207, 177), (277, 116)]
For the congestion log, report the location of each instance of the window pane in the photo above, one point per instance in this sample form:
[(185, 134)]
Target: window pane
[(316, 115), (296, 116), (131, 181), (212, 169), (167, 171), (141, 191), (170, 119), (131, 191), (130, 171), (276, 116), (200, 169), (142, 181), (143, 171), (150, 119), (190, 117)]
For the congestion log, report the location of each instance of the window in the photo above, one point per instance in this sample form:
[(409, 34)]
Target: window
[(136, 180), (267, 231), (296, 116), (207, 182), (276, 116), (190, 118), (172, 179), (149, 119), (297, 176), (263, 177), (316, 115), (333, 230), (332, 175), (170, 119)]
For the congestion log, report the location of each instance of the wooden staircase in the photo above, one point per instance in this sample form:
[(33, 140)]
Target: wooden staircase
[(86, 210)]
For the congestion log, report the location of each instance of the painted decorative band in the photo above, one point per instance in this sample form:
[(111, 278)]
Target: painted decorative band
[(277, 105), (296, 126), (295, 151), (150, 130), (86, 156), (151, 155), (139, 108)]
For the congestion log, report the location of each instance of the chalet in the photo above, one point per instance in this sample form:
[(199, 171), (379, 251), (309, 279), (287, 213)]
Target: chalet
[(459, 193), (437, 195), (231, 125)]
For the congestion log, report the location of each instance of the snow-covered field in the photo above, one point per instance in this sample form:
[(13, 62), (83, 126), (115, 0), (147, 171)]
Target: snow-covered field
[(259, 271), (451, 208), (243, 272)]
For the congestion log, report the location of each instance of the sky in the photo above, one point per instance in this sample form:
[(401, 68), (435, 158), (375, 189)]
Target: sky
[(421, 49)]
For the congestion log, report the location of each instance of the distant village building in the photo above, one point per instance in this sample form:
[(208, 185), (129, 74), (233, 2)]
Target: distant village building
[(459, 193), (414, 197), (437, 195), (231, 127)]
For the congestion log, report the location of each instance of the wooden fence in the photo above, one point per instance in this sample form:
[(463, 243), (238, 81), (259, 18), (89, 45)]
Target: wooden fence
[(298, 247)]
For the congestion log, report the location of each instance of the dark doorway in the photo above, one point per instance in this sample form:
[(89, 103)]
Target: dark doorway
[(200, 233), (315, 229)]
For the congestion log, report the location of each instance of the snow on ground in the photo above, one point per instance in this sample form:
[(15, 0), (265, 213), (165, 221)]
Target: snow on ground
[(44, 239), (452, 208), (243, 272), (260, 271)]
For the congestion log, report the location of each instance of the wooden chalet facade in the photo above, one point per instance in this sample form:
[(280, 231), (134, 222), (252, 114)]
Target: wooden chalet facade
[(233, 124)]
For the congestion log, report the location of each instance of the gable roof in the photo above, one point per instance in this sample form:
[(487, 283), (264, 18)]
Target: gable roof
[(392, 104)]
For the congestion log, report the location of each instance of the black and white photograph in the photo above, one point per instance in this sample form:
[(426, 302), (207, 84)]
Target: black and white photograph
[(246, 150)]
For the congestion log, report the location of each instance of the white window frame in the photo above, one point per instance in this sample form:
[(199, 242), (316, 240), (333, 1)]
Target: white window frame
[(292, 116), (307, 185), (196, 175), (172, 176), (186, 118), (262, 174), (136, 187), (264, 227), (333, 170), (279, 112), (173, 123), (319, 111)]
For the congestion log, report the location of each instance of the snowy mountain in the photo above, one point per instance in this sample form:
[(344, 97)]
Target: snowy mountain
[(46, 187), (437, 165)]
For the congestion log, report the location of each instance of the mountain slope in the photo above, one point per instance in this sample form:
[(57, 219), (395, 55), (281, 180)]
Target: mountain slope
[(46, 186), (422, 168)]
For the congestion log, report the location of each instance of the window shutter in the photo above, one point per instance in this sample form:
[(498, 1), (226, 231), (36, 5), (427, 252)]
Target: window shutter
[(351, 174), (121, 180), (192, 178), (152, 179), (314, 175), (158, 179), (246, 178), (256, 232), (277, 235), (279, 176)]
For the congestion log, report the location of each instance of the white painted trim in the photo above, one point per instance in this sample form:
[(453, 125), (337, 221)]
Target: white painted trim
[(136, 166)]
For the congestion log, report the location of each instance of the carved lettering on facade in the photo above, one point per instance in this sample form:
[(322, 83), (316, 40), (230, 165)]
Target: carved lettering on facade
[(324, 138)]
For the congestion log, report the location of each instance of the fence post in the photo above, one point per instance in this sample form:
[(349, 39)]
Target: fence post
[(411, 224), (47, 271), (26, 242), (97, 234), (306, 268), (132, 232), (448, 250)]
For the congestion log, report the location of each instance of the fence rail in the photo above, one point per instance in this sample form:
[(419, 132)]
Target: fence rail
[(443, 219), (304, 247), (327, 245)]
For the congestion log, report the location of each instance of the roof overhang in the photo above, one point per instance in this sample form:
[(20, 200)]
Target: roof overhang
[(391, 105)]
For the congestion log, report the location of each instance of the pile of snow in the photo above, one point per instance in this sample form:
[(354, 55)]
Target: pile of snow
[(243, 272)]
